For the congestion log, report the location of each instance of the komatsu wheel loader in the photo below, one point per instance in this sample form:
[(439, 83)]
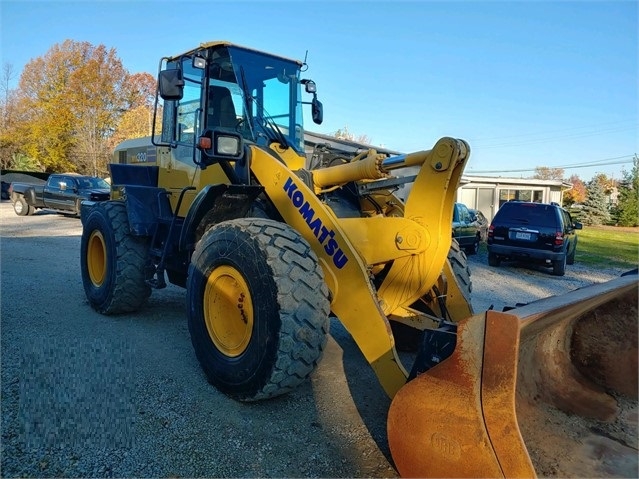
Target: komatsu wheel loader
[(269, 246)]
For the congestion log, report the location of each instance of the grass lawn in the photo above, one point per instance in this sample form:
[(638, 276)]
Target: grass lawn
[(608, 246)]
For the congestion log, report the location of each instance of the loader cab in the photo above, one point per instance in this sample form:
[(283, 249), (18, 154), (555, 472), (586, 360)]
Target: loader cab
[(220, 96)]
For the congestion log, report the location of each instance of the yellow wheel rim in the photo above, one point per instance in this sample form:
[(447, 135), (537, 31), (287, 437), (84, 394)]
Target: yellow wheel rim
[(96, 258), (228, 311)]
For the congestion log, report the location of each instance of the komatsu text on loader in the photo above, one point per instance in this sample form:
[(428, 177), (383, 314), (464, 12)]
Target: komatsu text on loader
[(268, 245)]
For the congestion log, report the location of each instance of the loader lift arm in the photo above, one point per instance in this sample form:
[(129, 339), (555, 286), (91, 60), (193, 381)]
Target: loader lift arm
[(349, 247)]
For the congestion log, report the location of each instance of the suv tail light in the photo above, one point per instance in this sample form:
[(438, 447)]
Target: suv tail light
[(559, 238), (491, 231)]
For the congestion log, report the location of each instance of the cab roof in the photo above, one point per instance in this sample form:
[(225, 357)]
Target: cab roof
[(225, 43)]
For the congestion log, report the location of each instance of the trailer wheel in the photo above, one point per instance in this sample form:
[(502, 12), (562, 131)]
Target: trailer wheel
[(113, 261), (21, 207), (258, 308)]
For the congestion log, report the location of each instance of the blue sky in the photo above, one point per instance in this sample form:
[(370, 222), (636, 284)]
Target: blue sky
[(526, 83)]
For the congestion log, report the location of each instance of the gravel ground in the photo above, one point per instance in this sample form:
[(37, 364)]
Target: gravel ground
[(84, 395)]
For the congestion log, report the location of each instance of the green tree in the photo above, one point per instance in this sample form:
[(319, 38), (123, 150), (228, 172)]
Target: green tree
[(595, 210), (22, 162), (627, 210)]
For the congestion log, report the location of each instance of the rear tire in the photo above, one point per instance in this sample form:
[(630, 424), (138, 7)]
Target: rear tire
[(493, 259), (559, 266), (113, 261), (474, 248), (21, 207), (258, 308), (408, 338)]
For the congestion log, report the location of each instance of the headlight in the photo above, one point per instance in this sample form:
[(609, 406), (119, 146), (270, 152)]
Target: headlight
[(227, 145)]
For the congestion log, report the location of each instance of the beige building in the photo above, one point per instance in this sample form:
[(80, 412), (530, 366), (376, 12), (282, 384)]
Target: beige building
[(487, 194)]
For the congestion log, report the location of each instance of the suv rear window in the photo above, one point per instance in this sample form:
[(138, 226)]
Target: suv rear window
[(528, 213)]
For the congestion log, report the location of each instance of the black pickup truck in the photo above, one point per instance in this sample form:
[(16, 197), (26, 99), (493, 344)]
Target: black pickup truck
[(61, 192)]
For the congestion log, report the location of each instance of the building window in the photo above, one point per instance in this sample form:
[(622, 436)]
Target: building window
[(507, 194)]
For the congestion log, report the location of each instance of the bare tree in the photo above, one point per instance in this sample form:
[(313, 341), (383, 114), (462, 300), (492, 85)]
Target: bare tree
[(547, 173)]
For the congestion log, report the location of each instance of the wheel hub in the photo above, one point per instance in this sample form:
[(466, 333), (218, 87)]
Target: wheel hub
[(96, 258), (228, 311)]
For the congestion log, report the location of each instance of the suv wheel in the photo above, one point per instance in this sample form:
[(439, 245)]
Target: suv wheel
[(559, 266), (493, 260), (571, 257)]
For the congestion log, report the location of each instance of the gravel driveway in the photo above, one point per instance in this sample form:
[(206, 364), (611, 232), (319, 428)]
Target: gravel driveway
[(89, 395)]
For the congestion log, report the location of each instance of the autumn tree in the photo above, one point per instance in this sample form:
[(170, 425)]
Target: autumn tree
[(137, 121), (547, 173), (71, 101), (10, 143), (577, 194)]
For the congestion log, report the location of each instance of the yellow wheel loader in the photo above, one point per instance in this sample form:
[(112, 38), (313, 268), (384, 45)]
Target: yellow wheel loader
[(269, 246)]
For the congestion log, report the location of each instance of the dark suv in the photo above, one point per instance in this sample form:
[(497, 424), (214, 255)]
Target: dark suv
[(533, 232)]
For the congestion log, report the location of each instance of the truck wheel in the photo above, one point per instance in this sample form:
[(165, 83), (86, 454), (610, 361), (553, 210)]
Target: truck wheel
[(474, 248), (258, 308), (113, 261), (21, 207)]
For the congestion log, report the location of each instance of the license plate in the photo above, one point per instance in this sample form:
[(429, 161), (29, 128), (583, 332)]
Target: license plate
[(522, 236)]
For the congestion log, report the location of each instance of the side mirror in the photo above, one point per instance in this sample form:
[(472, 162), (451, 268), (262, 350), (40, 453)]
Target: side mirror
[(171, 84), (317, 110)]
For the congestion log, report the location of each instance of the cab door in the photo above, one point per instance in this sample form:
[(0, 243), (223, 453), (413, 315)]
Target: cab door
[(68, 193)]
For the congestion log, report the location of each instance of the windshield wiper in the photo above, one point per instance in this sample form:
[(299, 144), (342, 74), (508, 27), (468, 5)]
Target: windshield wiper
[(279, 136), (270, 129)]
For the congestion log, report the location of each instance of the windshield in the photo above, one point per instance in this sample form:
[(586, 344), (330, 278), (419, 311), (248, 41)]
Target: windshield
[(271, 85), (93, 183)]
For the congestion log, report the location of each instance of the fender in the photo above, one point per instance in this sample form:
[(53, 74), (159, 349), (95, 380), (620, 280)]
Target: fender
[(216, 203)]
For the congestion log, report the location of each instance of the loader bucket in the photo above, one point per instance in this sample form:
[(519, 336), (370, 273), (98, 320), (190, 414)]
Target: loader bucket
[(547, 389)]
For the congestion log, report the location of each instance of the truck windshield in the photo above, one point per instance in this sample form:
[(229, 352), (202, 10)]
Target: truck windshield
[(93, 183), (272, 90)]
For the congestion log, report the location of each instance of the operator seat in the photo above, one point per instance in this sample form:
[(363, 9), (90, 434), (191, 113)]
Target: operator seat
[(221, 111)]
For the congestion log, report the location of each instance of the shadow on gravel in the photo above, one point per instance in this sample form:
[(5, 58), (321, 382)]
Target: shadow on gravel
[(371, 401)]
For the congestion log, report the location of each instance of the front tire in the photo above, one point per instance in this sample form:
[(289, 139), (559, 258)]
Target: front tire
[(571, 257), (113, 261), (258, 308), (408, 338)]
